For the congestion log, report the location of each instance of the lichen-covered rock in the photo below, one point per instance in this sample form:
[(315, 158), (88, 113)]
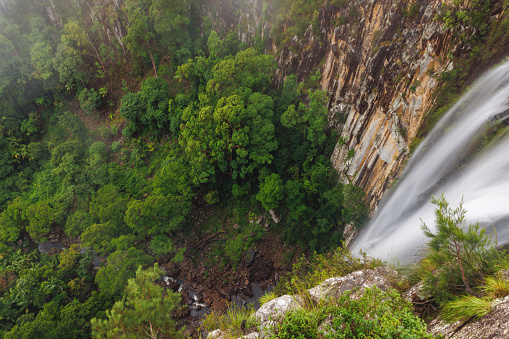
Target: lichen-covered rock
[(266, 328), (216, 334), (416, 293), (253, 335), (335, 287), (493, 325), (277, 308)]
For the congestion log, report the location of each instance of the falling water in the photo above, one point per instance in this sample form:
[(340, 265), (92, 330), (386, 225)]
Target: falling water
[(449, 162)]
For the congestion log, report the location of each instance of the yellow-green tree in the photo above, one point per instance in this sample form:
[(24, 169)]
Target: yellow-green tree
[(145, 311)]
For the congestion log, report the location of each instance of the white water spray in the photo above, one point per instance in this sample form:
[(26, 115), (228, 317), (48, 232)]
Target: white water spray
[(443, 164)]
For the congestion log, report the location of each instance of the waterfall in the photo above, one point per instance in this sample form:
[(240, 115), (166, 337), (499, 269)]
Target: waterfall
[(449, 161)]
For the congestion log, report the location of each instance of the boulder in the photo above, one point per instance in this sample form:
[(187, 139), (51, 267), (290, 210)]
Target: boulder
[(250, 257), (335, 287), (259, 270), (277, 308), (253, 335), (493, 325), (416, 293), (216, 334)]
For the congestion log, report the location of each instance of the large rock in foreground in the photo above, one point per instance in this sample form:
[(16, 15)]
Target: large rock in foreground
[(275, 310), (493, 325), (359, 280)]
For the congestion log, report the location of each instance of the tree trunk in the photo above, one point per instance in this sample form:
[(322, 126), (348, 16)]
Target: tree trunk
[(153, 64)]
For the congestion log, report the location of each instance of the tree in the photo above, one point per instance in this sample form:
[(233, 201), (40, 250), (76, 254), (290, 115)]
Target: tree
[(215, 45), (243, 75), (145, 311), (109, 205), (463, 255), (310, 120), (41, 217), (147, 110), (140, 32), (120, 267), (235, 138), (13, 220), (271, 192), (170, 20), (157, 214)]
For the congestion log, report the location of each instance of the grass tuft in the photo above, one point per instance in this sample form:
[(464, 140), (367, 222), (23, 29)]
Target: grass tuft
[(267, 297), (466, 307), (231, 321), (496, 287)]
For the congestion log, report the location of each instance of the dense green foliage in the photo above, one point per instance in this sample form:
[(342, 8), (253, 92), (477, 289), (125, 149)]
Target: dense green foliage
[(49, 297), (375, 314), (115, 141)]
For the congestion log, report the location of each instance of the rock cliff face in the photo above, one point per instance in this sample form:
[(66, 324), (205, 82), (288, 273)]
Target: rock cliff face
[(380, 70)]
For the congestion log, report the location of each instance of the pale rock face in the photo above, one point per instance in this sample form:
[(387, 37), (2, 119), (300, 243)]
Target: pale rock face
[(360, 280), (326, 326), (253, 335), (493, 325), (216, 334), (416, 293), (277, 308)]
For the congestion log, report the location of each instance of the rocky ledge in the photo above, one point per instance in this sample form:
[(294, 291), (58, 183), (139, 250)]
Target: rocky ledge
[(275, 310), (493, 325)]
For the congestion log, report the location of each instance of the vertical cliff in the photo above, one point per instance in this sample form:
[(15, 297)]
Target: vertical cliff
[(381, 63)]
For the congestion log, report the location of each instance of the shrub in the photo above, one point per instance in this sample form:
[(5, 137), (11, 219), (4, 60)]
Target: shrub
[(463, 255), (90, 100), (385, 314), (412, 11)]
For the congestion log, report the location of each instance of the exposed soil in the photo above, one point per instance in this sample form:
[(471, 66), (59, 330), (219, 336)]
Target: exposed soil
[(94, 123), (216, 286)]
